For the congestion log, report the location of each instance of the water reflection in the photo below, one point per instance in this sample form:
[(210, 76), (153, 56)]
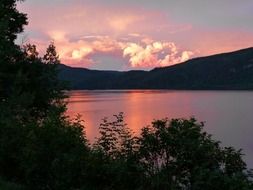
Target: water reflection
[(228, 114)]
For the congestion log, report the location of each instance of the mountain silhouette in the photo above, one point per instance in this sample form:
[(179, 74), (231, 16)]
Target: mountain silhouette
[(226, 71)]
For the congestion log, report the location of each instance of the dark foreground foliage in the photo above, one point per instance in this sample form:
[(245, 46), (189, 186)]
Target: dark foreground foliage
[(169, 154), (41, 148)]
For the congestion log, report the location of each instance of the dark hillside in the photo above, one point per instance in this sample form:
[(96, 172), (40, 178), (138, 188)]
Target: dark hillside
[(221, 72)]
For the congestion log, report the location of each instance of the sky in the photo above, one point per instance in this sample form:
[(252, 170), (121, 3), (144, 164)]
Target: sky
[(137, 34)]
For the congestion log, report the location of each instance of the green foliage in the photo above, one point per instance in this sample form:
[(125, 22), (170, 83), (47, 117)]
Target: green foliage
[(51, 155), (116, 139), (51, 56), (54, 155), (34, 89), (11, 20), (4, 185), (40, 148), (40, 80), (177, 154), (11, 23), (27, 81), (116, 152)]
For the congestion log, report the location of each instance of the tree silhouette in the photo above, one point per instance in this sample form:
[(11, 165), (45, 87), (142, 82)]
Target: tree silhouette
[(41, 148), (177, 154)]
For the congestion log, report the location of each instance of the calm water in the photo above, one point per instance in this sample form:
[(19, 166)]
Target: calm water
[(228, 114)]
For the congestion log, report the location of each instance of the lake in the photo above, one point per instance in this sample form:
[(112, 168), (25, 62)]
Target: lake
[(228, 115)]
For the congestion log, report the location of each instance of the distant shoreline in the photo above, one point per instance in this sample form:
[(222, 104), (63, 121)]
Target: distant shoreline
[(229, 71), (152, 90)]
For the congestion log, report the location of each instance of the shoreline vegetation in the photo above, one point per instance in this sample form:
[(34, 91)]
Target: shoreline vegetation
[(41, 148), (168, 154)]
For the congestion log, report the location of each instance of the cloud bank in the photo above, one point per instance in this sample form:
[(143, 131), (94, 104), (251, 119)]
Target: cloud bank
[(131, 34), (138, 51)]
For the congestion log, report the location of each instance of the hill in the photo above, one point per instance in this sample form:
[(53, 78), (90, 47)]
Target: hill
[(226, 71)]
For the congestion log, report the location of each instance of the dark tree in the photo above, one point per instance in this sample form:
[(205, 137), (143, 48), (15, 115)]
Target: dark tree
[(178, 154), (39, 146), (11, 23), (116, 153), (51, 56)]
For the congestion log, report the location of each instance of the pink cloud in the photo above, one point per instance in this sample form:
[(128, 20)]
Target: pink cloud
[(137, 53), (144, 38), (79, 34), (155, 54)]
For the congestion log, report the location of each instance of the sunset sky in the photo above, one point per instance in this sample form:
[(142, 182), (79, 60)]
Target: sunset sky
[(137, 34)]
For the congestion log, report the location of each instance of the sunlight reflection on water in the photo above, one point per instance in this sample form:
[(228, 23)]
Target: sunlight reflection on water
[(228, 114)]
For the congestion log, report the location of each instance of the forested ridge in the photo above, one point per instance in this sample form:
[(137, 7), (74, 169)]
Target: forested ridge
[(227, 71), (41, 148)]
